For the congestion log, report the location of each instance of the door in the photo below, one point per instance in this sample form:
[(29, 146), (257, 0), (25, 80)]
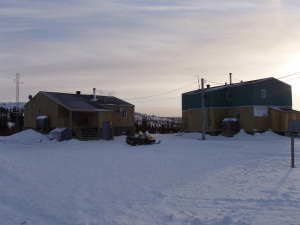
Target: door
[(106, 130)]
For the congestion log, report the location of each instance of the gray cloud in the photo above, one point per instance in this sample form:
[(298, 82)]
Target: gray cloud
[(137, 48)]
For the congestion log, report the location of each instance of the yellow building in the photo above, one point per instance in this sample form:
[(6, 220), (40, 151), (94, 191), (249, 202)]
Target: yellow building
[(89, 116), (257, 105)]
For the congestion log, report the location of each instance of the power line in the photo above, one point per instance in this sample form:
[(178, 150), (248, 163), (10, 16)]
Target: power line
[(154, 100), (149, 96), (287, 75), (292, 79), (236, 78), (276, 78), (257, 85), (241, 80), (213, 82), (265, 85)]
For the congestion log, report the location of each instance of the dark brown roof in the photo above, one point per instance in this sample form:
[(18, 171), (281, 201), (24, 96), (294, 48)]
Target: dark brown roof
[(84, 102)]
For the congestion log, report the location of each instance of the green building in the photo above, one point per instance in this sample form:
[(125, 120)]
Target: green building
[(259, 105)]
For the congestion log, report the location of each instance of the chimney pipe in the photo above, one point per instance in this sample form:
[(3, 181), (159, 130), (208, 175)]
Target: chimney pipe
[(94, 94), (207, 86), (78, 92), (230, 78)]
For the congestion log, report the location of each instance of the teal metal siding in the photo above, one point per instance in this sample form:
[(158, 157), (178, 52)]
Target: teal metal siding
[(244, 94), (191, 101), (239, 96), (277, 93), (216, 98)]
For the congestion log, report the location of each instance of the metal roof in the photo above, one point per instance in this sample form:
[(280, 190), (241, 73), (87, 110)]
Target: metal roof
[(277, 93), (82, 102), (230, 85)]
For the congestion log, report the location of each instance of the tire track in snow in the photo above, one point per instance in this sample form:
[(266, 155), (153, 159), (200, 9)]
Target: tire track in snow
[(232, 192)]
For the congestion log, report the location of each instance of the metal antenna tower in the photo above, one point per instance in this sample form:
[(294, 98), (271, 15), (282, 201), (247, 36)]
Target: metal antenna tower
[(17, 81)]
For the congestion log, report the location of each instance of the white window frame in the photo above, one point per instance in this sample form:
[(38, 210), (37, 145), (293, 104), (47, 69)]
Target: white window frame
[(263, 93), (228, 97), (124, 113), (260, 111)]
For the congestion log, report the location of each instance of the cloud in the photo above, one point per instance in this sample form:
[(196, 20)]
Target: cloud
[(137, 48)]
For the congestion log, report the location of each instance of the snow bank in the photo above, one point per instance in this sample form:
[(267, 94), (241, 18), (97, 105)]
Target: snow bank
[(242, 180), (25, 137), (242, 135), (265, 135)]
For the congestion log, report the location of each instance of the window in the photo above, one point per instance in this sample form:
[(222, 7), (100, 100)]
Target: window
[(263, 93), (124, 113), (228, 95), (237, 115), (260, 111)]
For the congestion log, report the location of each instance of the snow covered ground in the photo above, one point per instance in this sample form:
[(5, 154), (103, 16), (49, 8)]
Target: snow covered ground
[(184, 180)]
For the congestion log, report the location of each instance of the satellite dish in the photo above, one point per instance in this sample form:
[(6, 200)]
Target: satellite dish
[(30, 97)]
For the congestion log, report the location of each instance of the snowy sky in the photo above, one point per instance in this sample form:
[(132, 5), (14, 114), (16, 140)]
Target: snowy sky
[(136, 48)]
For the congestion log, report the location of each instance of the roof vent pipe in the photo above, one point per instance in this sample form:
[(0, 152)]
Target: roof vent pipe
[(230, 78), (207, 86), (78, 92), (94, 94)]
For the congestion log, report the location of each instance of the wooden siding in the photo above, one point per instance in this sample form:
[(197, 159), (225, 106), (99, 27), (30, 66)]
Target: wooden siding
[(213, 119), (44, 106), (60, 116), (246, 117), (118, 120), (261, 124), (276, 120), (215, 116), (279, 120), (244, 99)]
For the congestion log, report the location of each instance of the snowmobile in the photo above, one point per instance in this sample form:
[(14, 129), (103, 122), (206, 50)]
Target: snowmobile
[(141, 139)]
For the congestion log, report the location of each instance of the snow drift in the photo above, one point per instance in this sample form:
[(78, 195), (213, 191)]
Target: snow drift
[(242, 180)]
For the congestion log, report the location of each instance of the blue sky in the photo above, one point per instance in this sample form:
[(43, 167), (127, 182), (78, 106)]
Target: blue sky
[(139, 48)]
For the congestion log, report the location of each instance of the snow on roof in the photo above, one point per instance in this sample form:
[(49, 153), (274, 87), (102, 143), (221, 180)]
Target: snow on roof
[(230, 119), (42, 117), (284, 109)]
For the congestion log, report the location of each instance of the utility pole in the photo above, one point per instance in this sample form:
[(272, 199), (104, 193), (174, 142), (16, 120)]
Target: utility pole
[(203, 108), (198, 81), (292, 151)]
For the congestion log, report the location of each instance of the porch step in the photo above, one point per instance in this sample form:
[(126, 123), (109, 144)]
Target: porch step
[(88, 134)]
